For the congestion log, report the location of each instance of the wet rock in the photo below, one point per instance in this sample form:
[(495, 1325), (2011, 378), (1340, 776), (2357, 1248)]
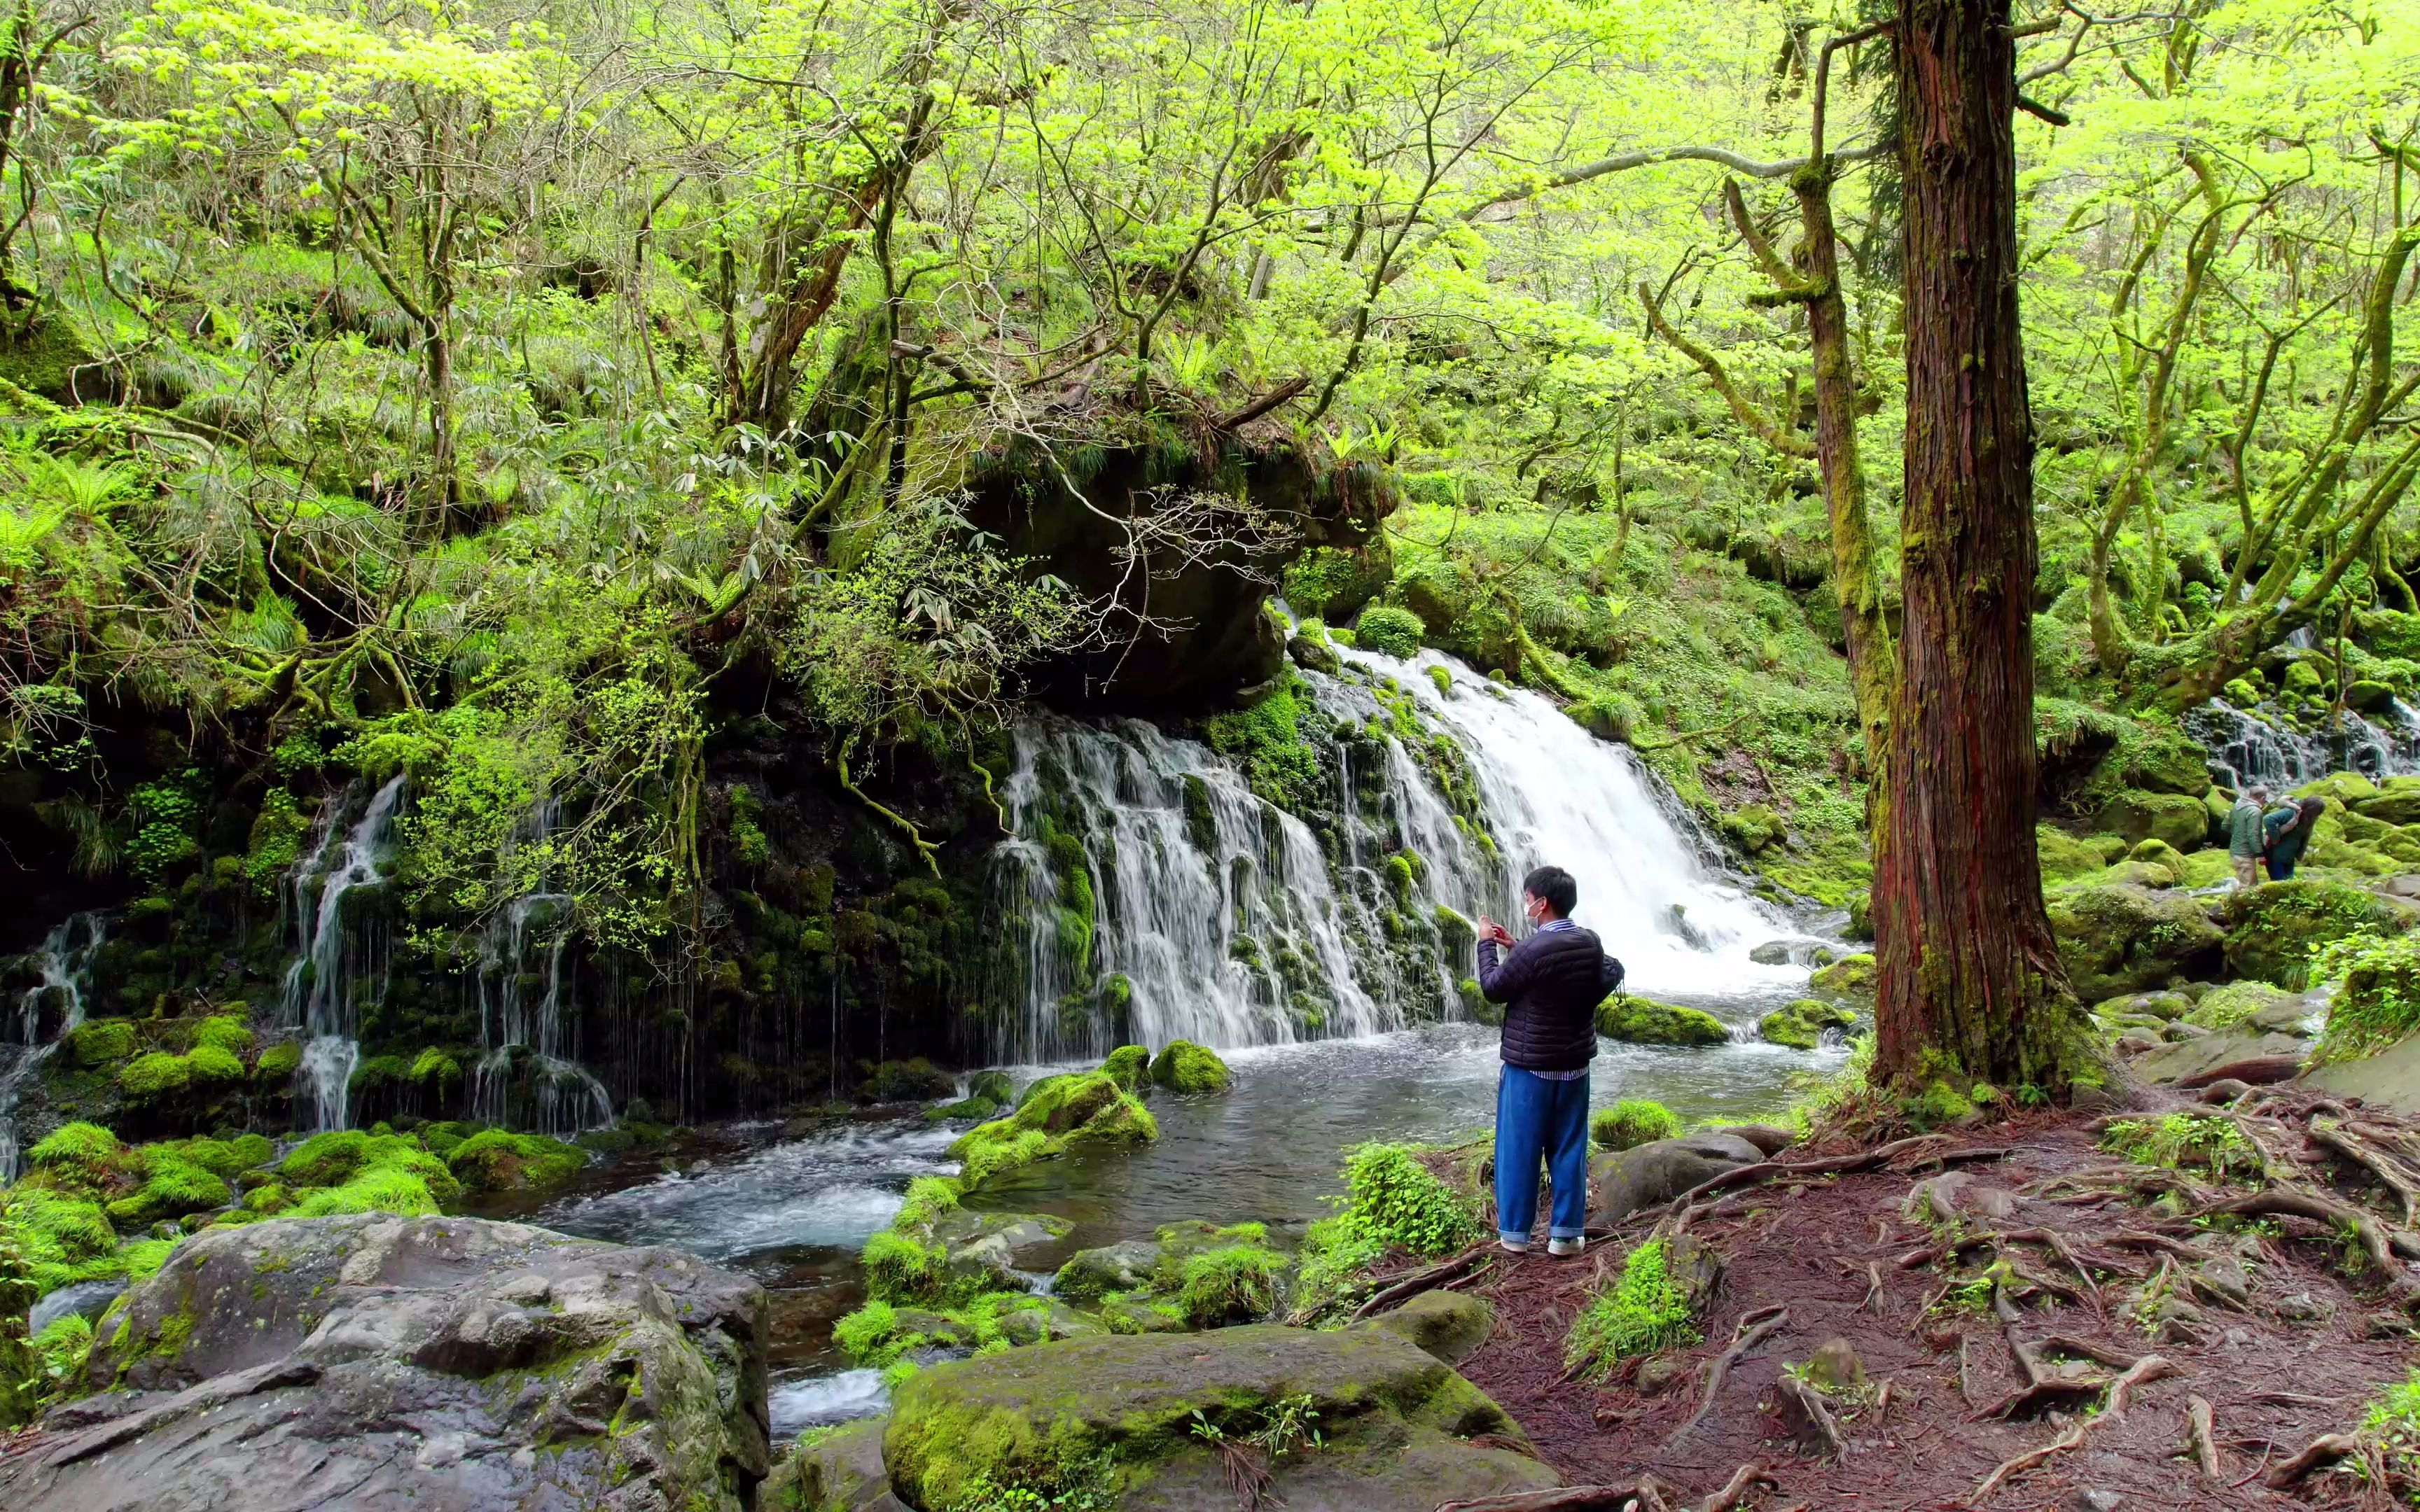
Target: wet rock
[(1850, 980), (1396, 1424), (2181, 1031), (374, 1362), (1771, 954), (2134, 1041), (1647, 1175), (836, 1472), (2163, 1005), (1044, 1325), (1800, 1025), (1835, 1367), (1126, 1266), (1448, 1324), (994, 1246), (1768, 1138), (1657, 1373), (2228, 1053), (1313, 656), (1187, 1067), (2172, 817), (1129, 1315), (2390, 1078), (2122, 939)]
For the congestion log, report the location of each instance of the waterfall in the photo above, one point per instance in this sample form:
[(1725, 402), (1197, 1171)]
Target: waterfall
[(2246, 748), (528, 1066), (65, 961), (1553, 794), (1146, 893), (1153, 896), (339, 966)]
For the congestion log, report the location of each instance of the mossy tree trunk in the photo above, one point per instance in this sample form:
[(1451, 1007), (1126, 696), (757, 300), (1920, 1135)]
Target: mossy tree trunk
[(1970, 981)]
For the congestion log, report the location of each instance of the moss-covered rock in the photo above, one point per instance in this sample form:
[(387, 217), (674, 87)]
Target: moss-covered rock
[(1851, 980), (2064, 857), (1388, 630), (2173, 817), (2272, 929), (1634, 1120), (98, 1043), (496, 1160), (79, 1157), (1800, 1026), (2224, 1008), (1093, 1417), (907, 1081), (1082, 1107), (1644, 1021), (1129, 1066), (2120, 939), (1187, 1067)]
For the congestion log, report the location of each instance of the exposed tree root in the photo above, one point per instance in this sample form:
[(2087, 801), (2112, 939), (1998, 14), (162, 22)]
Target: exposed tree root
[(1808, 1415), (1753, 1330), (1766, 1170), (1428, 1280), (2324, 1451), (1743, 1481), (1560, 1499), (2203, 1435), (2149, 1367)]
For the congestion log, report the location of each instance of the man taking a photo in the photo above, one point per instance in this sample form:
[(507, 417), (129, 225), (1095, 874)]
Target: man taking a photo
[(1550, 985)]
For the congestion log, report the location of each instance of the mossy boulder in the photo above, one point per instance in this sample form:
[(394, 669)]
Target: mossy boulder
[(437, 1314), (2168, 763), (1390, 630), (497, 1161), (1187, 1067), (1129, 1265), (1636, 1020), (2272, 929), (1853, 980), (836, 1472), (2174, 817), (1129, 1066), (1632, 1122), (79, 1157), (1448, 1324), (2398, 806), (2122, 938), (907, 1081), (98, 1043), (2224, 1008), (2064, 857), (1800, 1026), (1057, 1112), (1397, 1425)]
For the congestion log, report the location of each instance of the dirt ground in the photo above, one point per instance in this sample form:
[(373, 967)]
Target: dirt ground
[(2266, 1328)]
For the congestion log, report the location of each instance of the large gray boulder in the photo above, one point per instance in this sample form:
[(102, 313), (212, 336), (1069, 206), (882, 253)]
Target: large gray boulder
[(2263, 1045), (1448, 1324), (1649, 1174), (1396, 1424), (442, 1365)]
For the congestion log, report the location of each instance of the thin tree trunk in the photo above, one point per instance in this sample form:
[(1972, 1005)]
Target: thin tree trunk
[(1971, 987)]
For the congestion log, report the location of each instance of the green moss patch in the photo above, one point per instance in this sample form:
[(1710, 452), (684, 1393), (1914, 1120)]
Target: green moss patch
[(1645, 1021), (1631, 1122), (1186, 1067), (1643, 1312)]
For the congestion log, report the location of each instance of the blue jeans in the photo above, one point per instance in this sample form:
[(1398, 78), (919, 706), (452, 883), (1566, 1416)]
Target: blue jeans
[(1536, 1118)]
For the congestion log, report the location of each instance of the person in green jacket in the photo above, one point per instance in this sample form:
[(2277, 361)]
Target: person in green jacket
[(2289, 830), (2244, 837)]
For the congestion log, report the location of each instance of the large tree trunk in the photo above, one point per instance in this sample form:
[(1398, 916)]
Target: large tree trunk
[(1971, 986)]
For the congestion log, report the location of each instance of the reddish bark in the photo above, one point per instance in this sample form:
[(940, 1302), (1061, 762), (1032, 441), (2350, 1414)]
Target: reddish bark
[(1968, 969)]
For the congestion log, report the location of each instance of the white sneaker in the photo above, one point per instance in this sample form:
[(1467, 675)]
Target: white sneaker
[(1565, 1247), (1512, 1246)]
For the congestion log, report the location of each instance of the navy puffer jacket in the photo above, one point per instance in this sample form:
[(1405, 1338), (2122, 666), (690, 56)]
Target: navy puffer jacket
[(1550, 985)]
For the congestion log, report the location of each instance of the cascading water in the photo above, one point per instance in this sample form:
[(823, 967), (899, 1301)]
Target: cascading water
[(65, 961), (1553, 794), (1154, 897), (527, 1042), (2246, 748), (1149, 894), (529, 1074), (340, 963)]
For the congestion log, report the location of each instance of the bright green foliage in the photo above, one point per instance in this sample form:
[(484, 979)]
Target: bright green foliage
[(375, 1189), (99, 1042), (1388, 630), (60, 1239), (1267, 741), (2392, 1425), (78, 1157), (278, 1062), (495, 1160), (2224, 1008), (899, 1267), (1187, 1067), (1632, 1122), (362, 1172), (871, 1336), (1233, 1285), (1085, 1107), (211, 1065), (1643, 1313), (175, 1183), (1392, 1199), (2377, 1001), (2209, 1141), (61, 1347)]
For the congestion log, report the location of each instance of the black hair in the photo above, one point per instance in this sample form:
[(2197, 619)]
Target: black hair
[(1556, 886)]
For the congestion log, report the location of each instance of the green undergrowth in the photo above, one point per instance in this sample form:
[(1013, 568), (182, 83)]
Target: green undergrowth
[(1643, 1312), (2377, 1002), (2203, 1141), (1394, 1203)]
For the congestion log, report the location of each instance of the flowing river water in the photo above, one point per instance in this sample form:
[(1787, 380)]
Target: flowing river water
[(1199, 890)]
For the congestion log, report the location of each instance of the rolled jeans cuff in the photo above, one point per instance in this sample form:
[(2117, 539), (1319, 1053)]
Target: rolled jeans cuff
[(1566, 1233)]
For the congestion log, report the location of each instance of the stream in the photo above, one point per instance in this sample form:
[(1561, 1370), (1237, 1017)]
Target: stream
[(793, 1212)]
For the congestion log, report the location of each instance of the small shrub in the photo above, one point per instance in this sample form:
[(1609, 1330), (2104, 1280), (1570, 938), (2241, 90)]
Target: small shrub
[(1399, 1203), (2177, 1140), (1632, 1122), (2377, 999), (2393, 1424), (381, 1189), (1643, 1313), (1229, 1285)]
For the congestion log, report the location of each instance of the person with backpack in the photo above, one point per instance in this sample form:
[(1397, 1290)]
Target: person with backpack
[(2245, 838), (1550, 985), (2289, 831)]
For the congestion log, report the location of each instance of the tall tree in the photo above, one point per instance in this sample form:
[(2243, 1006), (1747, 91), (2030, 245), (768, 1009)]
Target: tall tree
[(1971, 985)]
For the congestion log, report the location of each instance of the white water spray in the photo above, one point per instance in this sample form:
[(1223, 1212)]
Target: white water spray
[(338, 968), (65, 963)]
